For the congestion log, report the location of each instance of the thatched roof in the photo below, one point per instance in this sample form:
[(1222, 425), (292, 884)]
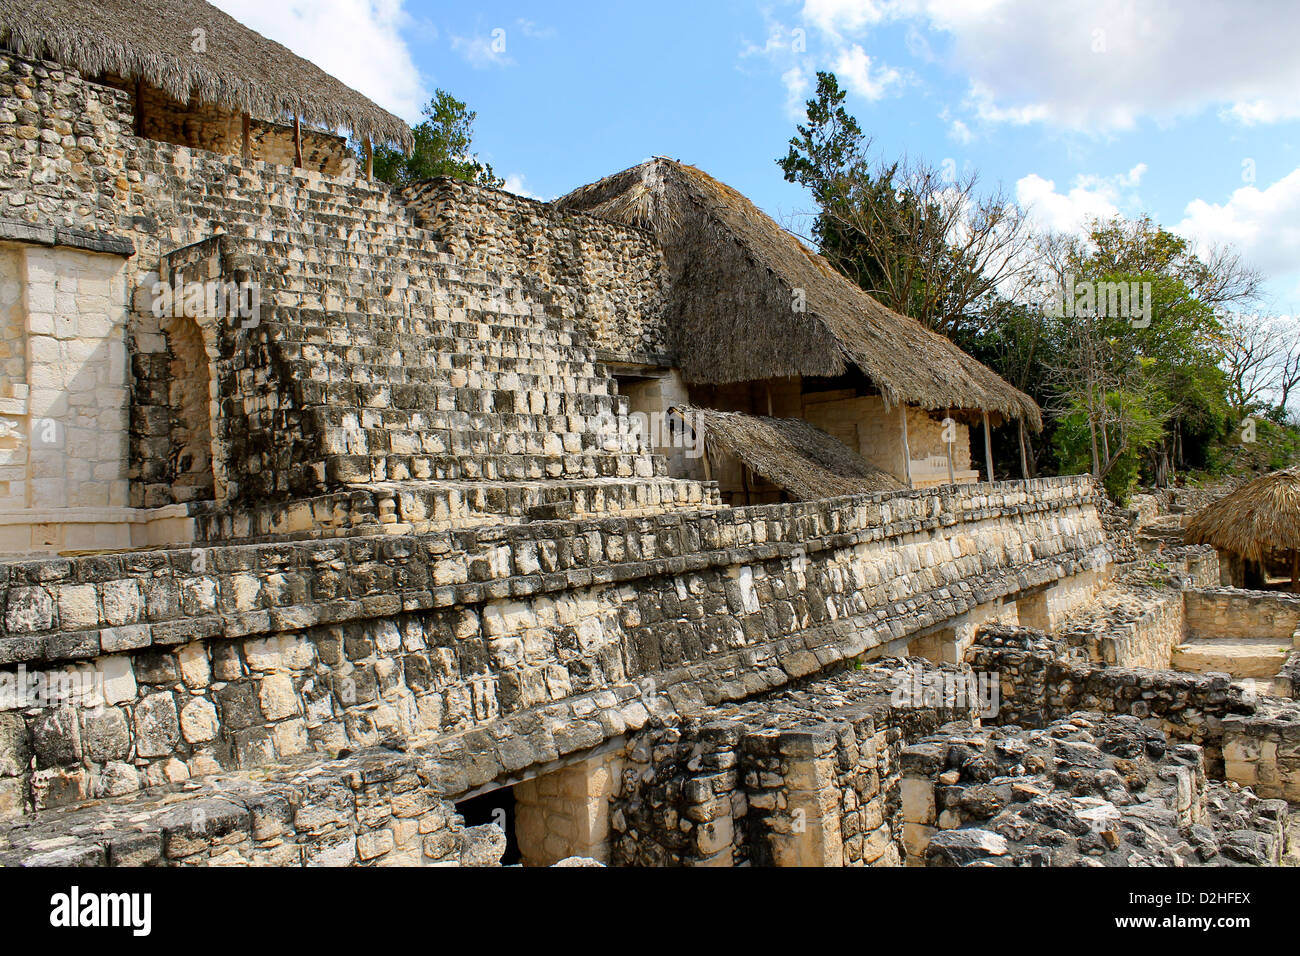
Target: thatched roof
[(736, 275), (1259, 517), (150, 40), (797, 457)]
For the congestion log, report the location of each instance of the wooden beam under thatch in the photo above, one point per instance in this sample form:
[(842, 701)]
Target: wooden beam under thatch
[(800, 459), (752, 302), (158, 42), (1257, 518)]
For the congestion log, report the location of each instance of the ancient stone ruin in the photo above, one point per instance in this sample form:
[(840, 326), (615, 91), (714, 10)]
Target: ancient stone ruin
[(349, 525)]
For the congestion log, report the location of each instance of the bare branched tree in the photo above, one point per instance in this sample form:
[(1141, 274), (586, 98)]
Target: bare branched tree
[(1252, 352), (939, 246), (1261, 359)]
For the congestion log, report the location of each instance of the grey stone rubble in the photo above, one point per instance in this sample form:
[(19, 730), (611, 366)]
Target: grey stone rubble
[(1084, 791)]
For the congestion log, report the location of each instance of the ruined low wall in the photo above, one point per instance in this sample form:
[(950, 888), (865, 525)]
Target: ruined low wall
[(1227, 612), (1132, 627), (368, 810), (234, 657), (611, 279), (1039, 685), (1089, 790), (805, 777), (1262, 750)]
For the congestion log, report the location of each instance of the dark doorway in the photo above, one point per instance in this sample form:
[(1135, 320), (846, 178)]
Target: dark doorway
[(497, 807)]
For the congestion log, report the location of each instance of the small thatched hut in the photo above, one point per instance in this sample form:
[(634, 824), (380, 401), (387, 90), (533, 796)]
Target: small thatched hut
[(757, 460), (760, 323), (197, 76), (1257, 521)]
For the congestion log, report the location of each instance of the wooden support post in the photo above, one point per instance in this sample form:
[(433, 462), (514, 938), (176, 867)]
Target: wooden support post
[(1024, 455), (247, 149), (370, 159), (768, 390), (297, 142), (952, 474), (907, 448), (988, 447), (1295, 571)]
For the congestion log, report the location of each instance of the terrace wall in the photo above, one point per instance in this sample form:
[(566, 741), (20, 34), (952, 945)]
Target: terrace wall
[(233, 657)]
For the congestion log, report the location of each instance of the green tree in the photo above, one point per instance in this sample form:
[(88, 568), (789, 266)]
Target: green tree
[(443, 147), (1148, 382), (920, 239)]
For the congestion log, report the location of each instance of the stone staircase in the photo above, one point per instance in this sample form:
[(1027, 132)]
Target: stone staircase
[(382, 363), (1258, 658)]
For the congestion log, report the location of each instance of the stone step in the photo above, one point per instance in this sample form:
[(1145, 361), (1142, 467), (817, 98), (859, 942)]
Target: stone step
[(422, 335), (408, 399), (429, 506), (392, 376), (443, 335), (359, 469), (434, 356), (401, 438), (1261, 658)]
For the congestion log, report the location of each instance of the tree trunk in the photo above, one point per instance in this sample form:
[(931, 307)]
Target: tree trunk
[(1092, 430), (1024, 454)]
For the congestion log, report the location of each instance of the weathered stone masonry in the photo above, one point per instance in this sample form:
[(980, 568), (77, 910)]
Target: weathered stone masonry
[(237, 656), (351, 601)]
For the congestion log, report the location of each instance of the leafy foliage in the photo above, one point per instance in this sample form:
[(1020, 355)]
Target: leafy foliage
[(1131, 398), (443, 147)]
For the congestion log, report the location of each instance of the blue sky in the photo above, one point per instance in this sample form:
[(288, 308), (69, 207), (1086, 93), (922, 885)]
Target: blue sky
[(1182, 109)]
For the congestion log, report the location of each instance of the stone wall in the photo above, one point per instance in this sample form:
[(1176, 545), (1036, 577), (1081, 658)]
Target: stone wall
[(63, 142), (566, 813), (1262, 750), (610, 278), (1085, 791), (206, 126), (231, 657), (1131, 627), (866, 426), (13, 318), (67, 458), (804, 777), (1227, 612), (372, 809), (1039, 685)]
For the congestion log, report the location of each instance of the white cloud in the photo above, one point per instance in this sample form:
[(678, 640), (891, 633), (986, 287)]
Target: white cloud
[(798, 82), (1089, 198), (779, 40), (1103, 65), (836, 17), (797, 56), (357, 41), (1263, 224), (481, 51), (861, 76), (960, 132), (533, 31), (517, 183)]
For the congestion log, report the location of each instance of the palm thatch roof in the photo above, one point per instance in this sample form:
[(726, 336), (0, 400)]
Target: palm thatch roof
[(151, 40), (1259, 517), (738, 277), (797, 457)]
